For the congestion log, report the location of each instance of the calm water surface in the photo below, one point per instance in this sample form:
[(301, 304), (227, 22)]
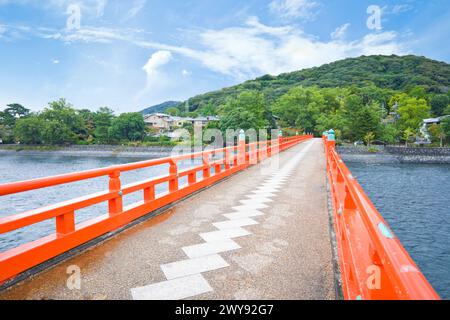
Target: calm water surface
[(18, 168), (415, 201)]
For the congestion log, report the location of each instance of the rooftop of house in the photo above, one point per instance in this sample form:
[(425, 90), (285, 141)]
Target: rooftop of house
[(176, 118)]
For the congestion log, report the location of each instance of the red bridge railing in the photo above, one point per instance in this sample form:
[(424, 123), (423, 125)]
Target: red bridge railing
[(374, 265), (69, 235)]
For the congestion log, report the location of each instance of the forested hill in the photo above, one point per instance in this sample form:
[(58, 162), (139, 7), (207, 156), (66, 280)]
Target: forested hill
[(160, 107), (390, 72)]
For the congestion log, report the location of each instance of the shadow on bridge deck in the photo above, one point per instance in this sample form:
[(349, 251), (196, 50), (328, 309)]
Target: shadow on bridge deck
[(261, 234)]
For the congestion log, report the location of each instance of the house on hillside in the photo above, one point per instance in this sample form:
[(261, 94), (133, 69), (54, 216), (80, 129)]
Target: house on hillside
[(203, 121), (159, 121), (424, 129), (164, 122)]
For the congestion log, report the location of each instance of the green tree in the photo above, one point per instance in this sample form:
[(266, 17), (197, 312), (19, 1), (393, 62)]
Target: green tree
[(89, 121), (368, 138), (412, 111), (439, 103), (446, 128), (173, 111), (408, 134), (437, 133), (208, 110), (361, 118), (300, 108), (418, 92), (62, 112), (247, 111), (56, 133), (13, 112), (388, 133), (128, 126), (102, 122), (29, 130), (6, 134), (334, 120)]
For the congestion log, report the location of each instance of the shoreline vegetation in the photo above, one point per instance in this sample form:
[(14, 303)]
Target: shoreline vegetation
[(376, 99)]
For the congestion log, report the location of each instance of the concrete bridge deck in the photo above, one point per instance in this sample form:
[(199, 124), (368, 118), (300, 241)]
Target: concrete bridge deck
[(259, 235)]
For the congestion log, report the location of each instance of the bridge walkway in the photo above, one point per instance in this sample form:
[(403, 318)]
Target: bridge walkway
[(262, 234)]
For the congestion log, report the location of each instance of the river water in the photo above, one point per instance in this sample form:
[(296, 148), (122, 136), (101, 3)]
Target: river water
[(414, 199), (17, 168)]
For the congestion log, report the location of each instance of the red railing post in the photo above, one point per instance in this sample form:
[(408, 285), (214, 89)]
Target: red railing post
[(207, 169), (227, 159), (115, 205), (65, 223), (242, 153), (173, 172), (149, 194), (280, 141)]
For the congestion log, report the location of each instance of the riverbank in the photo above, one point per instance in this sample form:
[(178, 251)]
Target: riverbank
[(106, 151), (394, 154)]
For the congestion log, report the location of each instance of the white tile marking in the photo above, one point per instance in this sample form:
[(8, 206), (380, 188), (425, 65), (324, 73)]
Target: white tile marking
[(232, 224), (224, 234), (209, 248), (254, 203), (249, 207), (176, 289), (260, 198), (193, 266), (198, 285), (264, 193), (241, 215)]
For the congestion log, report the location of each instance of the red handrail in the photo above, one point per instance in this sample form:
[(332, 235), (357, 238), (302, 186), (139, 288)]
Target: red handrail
[(374, 264), (69, 235)]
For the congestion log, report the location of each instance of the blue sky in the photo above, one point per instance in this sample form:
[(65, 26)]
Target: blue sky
[(132, 54)]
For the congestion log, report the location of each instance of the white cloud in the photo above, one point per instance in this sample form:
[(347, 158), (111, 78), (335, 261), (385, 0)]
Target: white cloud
[(156, 80), (101, 5), (55, 61), (136, 7), (255, 49), (243, 52), (396, 9), (91, 7), (156, 61), (185, 73), (294, 8), (340, 32), (89, 34)]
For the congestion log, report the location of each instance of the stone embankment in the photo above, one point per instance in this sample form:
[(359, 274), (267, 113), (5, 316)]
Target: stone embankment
[(395, 154), (88, 151)]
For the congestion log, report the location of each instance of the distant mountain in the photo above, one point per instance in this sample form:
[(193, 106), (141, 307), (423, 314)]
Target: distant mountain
[(394, 72), (160, 108)]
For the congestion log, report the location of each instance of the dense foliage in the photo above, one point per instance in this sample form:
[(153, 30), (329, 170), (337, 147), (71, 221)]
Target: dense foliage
[(60, 124), (160, 107), (388, 72), (357, 114), (377, 98)]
